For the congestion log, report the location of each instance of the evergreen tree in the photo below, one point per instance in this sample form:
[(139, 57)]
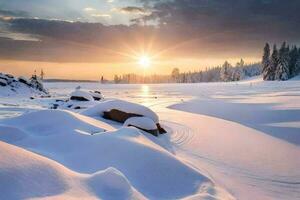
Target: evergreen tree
[(175, 75), (42, 74), (282, 70), (297, 66), (293, 54), (241, 63), (266, 61), (225, 73), (271, 69)]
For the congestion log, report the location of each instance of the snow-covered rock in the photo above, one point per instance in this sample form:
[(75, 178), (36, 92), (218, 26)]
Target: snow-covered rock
[(79, 95), (21, 86), (124, 106), (97, 96), (143, 123), (3, 82), (3, 77), (24, 80)]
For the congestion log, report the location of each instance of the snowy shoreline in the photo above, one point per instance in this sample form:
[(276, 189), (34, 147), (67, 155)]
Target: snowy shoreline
[(225, 141)]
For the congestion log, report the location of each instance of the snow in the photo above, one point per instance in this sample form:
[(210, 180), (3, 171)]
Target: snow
[(27, 175), (121, 105), (141, 161), (141, 122), (225, 141)]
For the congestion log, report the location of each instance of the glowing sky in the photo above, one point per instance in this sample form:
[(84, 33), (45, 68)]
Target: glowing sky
[(85, 39)]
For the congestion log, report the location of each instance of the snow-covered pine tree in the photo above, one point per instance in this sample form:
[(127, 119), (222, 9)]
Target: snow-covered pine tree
[(266, 61), (282, 70), (271, 69), (225, 73), (297, 66), (237, 74), (293, 54)]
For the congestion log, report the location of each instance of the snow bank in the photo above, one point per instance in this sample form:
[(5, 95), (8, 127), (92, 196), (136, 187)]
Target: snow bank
[(64, 137), (26, 175), (121, 105), (48, 122)]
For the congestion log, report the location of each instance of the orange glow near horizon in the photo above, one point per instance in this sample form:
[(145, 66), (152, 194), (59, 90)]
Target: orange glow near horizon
[(94, 71)]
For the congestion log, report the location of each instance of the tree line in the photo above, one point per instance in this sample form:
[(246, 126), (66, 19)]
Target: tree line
[(282, 64), (225, 72)]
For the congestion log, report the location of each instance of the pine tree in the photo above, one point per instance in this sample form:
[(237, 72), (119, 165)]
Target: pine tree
[(225, 73), (271, 69), (293, 54), (282, 70), (297, 66), (175, 75), (42, 74), (266, 61)]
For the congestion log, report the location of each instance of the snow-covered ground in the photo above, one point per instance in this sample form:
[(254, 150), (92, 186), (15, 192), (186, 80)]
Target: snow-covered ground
[(225, 141)]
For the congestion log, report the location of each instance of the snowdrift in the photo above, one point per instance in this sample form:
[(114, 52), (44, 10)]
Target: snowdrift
[(28, 175), (82, 145)]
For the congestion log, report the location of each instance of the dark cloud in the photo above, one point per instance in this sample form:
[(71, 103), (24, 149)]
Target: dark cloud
[(10, 13), (257, 19)]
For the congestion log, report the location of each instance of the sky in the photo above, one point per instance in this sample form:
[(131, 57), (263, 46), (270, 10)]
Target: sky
[(85, 39)]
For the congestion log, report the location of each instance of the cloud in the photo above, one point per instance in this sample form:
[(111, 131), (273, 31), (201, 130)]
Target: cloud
[(11, 13), (89, 9), (186, 28), (135, 10), (101, 15), (257, 19)]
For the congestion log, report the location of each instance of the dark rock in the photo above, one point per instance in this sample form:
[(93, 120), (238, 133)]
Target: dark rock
[(154, 132), (78, 98), (119, 116)]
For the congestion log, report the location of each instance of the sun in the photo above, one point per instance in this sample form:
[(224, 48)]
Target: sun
[(144, 61)]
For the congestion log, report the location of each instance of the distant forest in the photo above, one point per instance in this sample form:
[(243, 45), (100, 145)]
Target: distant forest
[(226, 72)]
